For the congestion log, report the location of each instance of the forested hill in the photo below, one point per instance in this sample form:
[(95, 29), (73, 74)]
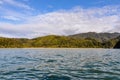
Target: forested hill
[(102, 37), (115, 42), (54, 41), (117, 45)]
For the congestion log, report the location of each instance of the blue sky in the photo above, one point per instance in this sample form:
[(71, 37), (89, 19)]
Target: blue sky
[(68, 4), (33, 18)]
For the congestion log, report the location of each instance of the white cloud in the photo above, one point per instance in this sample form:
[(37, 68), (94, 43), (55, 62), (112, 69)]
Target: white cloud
[(66, 22), (20, 13), (12, 15), (1, 2), (11, 18), (18, 4)]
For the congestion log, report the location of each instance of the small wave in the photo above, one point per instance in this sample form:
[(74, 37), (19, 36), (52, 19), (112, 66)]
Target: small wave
[(57, 77), (51, 60)]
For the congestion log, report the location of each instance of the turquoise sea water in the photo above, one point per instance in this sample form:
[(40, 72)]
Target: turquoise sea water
[(59, 64)]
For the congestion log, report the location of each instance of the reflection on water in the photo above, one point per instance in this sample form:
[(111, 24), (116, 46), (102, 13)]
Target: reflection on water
[(59, 64)]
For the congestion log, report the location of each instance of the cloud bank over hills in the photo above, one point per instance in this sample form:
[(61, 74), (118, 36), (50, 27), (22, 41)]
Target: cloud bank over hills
[(59, 22)]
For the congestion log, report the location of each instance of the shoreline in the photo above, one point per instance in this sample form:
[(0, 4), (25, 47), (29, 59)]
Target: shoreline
[(56, 48)]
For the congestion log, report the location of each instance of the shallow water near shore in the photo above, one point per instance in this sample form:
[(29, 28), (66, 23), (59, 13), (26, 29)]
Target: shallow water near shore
[(59, 64)]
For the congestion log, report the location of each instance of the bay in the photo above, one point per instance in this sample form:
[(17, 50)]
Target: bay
[(59, 64)]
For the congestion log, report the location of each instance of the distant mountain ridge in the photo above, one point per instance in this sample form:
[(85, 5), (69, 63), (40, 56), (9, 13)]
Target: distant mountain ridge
[(98, 36)]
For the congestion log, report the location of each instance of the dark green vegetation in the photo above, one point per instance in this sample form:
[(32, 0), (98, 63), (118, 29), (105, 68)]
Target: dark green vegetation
[(117, 45), (14, 43), (84, 40)]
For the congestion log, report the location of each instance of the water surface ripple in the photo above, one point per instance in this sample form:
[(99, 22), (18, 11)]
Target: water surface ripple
[(59, 64)]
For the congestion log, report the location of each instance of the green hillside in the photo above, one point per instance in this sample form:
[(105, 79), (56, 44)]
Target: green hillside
[(63, 41), (14, 43), (54, 41)]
